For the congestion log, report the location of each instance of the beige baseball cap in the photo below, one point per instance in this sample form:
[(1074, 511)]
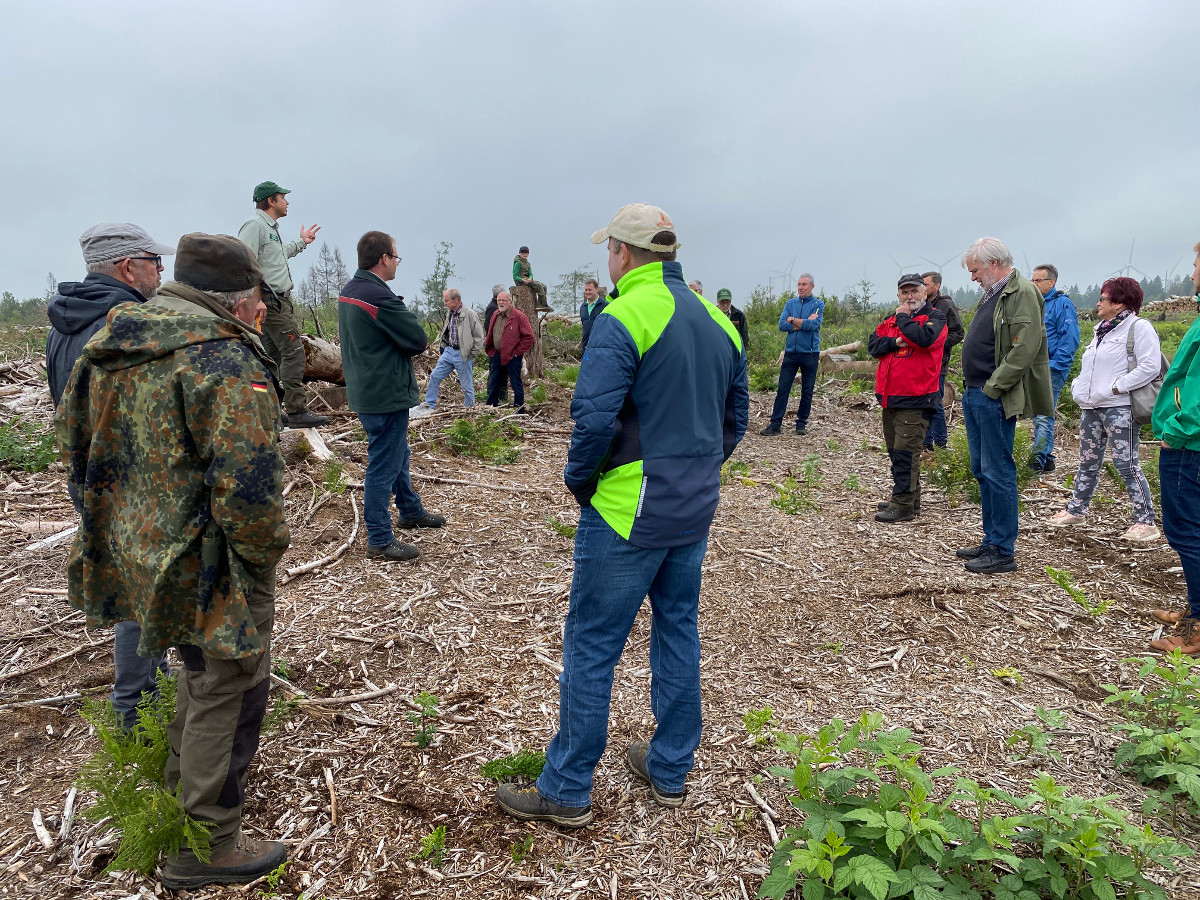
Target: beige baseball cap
[(638, 224)]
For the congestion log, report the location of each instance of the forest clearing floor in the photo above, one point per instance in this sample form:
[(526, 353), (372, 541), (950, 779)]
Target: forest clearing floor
[(819, 614)]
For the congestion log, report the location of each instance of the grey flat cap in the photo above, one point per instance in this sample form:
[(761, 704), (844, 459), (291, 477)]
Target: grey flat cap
[(114, 240)]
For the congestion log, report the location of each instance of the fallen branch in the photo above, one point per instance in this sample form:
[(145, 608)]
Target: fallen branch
[(333, 804), (53, 541), (325, 560), (39, 828), (55, 659), (45, 701), (352, 698)]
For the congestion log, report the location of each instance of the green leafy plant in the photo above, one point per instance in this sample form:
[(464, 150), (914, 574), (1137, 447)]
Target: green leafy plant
[(858, 386), (538, 395), (1067, 583), (272, 881), (812, 471), (425, 718), (734, 468), (566, 376), (280, 712), (1162, 749), (951, 466), (126, 774), (757, 723), (433, 847), (566, 529), (871, 830), (27, 446), (852, 483), (1009, 675), (832, 445), (484, 438), (792, 498), (763, 377), (1031, 741), (521, 850), (522, 764), (279, 666), (333, 480)]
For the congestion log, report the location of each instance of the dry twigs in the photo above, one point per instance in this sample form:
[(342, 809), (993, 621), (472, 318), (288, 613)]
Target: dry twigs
[(332, 557)]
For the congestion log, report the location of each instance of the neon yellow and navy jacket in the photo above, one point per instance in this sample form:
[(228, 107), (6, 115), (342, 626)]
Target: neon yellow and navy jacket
[(661, 402)]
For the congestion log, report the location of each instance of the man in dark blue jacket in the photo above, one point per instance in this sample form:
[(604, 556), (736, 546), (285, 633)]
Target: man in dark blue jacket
[(801, 321), (1062, 339), (124, 266), (661, 402), (593, 304)]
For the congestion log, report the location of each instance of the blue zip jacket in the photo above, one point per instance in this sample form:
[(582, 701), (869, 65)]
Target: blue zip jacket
[(586, 319), (661, 402), (1062, 330), (808, 338)]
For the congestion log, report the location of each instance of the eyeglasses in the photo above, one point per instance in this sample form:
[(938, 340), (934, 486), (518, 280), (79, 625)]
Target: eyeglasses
[(157, 260), (1040, 280), (393, 256)]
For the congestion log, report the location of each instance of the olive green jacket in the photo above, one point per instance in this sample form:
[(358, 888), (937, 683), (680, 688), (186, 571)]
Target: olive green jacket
[(1021, 380), (169, 431)]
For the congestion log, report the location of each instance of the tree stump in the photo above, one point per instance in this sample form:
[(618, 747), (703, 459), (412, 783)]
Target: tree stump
[(525, 300)]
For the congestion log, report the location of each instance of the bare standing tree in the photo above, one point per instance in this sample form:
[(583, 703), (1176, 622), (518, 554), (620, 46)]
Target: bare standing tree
[(433, 284), (51, 285), (570, 287)]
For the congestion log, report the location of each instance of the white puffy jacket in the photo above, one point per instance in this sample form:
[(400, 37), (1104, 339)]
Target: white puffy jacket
[(1105, 365)]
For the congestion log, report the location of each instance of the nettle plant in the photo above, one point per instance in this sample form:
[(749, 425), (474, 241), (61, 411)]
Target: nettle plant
[(872, 829)]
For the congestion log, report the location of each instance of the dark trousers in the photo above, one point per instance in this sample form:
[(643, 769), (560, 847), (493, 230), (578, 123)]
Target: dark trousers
[(937, 427), (219, 709), (281, 340), (498, 374), (1179, 477), (807, 364), (904, 435)]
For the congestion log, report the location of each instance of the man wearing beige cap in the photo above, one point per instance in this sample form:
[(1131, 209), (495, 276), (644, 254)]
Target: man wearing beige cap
[(661, 402), (280, 331), (169, 431), (124, 265)]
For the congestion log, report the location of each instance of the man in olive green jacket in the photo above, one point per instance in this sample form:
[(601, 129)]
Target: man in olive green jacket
[(1006, 368)]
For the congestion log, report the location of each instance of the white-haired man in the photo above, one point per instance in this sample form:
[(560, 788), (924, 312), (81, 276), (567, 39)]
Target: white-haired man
[(1006, 368), (461, 339)]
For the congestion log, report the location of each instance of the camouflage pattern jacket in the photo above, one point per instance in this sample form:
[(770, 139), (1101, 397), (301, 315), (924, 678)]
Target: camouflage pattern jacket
[(169, 430)]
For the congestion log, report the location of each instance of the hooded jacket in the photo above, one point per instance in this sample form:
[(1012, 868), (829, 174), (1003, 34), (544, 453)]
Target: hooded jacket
[(909, 376), (1062, 330), (77, 312), (169, 431)]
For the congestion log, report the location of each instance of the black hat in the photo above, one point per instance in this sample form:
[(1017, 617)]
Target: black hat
[(910, 278), (216, 262), (523, 250)]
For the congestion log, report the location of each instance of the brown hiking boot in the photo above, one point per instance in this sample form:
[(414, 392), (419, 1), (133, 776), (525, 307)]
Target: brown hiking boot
[(241, 862), (1170, 616), (1187, 641)]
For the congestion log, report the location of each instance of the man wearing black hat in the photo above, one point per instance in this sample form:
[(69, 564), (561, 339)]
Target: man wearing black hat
[(908, 345), (169, 429), (281, 334), (124, 266), (523, 274)]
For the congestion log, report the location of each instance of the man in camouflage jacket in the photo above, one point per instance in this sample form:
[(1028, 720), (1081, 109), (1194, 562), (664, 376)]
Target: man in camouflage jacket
[(169, 430)]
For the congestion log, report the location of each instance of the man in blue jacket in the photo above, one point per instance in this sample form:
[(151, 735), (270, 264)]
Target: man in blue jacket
[(593, 304), (124, 265), (1062, 337), (801, 320), (661, 402)]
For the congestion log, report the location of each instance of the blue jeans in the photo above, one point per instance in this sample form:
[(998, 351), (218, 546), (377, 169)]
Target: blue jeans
[(1179, 478), (612, 578), (1043, 426), (990, 441), (135, 675), (807, 364), (451, 361), (387, 474), (937, 428)]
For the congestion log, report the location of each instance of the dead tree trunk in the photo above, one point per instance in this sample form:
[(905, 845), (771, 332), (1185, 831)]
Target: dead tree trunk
[(525, 300), (322, 360)]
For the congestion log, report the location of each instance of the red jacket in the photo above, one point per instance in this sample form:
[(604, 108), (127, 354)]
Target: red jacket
[(909, 376), (517, 339)]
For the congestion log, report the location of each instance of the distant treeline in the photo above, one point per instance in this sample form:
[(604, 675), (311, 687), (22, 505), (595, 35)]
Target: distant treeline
[(22, 312), (1156, 288)]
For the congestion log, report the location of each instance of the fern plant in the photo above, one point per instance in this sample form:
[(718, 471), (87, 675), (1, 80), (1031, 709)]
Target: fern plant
[(126, 774)]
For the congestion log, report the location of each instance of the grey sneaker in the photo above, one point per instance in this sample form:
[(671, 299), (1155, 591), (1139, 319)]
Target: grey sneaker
[(246, 860), (526, 804), (420, 411), (635, 761)]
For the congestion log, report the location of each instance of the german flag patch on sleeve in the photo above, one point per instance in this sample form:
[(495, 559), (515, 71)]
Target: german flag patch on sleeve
[(260, 386)]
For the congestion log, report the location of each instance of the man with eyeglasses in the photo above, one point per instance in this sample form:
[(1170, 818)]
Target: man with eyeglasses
[(1062, 338), (124, 265), (281, 334)]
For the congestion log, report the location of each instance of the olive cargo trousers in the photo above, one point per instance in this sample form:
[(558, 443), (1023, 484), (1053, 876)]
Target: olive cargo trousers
[(219, 709), (281, 340), (904, 435)]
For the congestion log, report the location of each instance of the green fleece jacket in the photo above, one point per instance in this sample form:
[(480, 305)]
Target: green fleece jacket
[(1021, 380), (1177, 411)]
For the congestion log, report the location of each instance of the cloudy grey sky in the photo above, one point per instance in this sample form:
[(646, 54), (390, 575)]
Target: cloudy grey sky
[(819, 136)]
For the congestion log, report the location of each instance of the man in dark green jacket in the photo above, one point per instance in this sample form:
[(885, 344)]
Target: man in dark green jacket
[(380, 336), (1006, 368)]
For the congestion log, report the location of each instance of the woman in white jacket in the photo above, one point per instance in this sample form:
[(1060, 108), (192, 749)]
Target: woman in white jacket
[(1102, 392)]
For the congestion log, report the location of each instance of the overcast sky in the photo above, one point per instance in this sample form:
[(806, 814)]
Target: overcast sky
[(806, 136)]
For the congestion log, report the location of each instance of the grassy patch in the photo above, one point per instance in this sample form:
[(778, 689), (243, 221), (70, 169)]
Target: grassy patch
[(566, 529), (484, 438), (27, 446), (538, 395), (565, 376), (951, 468), (522, 764)]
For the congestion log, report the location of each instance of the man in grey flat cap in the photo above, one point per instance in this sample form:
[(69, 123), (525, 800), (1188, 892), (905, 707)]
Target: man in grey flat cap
[(124, 265), (280, 331)]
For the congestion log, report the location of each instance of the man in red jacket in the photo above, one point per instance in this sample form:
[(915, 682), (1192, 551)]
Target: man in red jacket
[(509, 338), (908, 345)]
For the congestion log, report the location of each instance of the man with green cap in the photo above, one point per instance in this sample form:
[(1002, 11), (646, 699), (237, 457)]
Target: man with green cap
[(736, 316), (281, 334)]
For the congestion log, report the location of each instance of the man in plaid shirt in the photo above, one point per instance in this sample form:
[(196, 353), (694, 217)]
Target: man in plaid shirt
[(462, 339)]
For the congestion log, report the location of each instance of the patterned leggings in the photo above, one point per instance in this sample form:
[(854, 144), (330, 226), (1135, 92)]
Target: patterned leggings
[(1112, 426)]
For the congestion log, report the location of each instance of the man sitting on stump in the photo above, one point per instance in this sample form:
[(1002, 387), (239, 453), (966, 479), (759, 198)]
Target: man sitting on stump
[(908, 345), (523, 274)]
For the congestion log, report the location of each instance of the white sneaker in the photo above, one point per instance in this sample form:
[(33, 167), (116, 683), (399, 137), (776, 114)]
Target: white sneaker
[(421, 411), (1141, 532)]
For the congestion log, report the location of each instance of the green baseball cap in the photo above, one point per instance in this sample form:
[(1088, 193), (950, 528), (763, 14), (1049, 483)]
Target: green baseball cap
[(725, 294), (268, 189)]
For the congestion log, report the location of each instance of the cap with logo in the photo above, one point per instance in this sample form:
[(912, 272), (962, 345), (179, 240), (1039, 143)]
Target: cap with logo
[(725, 294), (640, 225), (116, 240), (912, 278), (216, 262), (268, 189)]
